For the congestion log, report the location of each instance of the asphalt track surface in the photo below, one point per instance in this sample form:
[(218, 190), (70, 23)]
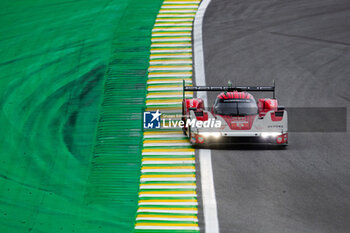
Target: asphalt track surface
[(304, 46)]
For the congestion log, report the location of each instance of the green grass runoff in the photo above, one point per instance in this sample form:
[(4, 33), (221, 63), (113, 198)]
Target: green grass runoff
[(62, 63)]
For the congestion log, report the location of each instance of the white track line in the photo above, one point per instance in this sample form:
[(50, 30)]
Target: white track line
[(169, 162), (172, 24), (171, 55), (167, 187), (177, 7), (177, 50), (164, 135), (168, 179), (167, 144), (208, 190), (164, 96), (167, 153), (181, 2), (185, 203), (174, 20), (168, 195), (167, 211), (167, 170), (177, 11), (168, 219), (162, 62), (165, 228), (155, 45), (171, 29), (170, 39)]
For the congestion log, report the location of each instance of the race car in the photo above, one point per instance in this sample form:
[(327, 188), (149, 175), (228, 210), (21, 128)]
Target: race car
[(235, 117)]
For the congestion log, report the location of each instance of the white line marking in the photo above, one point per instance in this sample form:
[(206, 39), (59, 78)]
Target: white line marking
[(208, 190), (165, 228), (170, 74), (168, 219), (164, 103), (177, 61), (168, 153), (171, 56), (167, 170), (171, 39), (167, 144), (165, 96), (168, 195), (182, 69), (185, 203), (174, 20), (167, 187), (171, 29), (172, 24), (178, 7), (181, 2), (171, 45), (171, 50), (160, 34), (168, 179), (167, 211), (176, 11), (164, 135), (169, 82), (169, 162), (166, 89), (175, 15), (174, 75)]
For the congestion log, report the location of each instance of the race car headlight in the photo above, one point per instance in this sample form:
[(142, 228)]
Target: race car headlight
[(270, 134), (211, 134)]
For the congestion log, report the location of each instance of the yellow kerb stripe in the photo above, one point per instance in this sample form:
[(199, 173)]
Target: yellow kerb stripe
[(163, 108), (169, 85), (163, 132)]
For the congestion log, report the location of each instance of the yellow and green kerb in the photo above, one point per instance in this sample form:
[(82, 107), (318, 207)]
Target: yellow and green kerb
[(167, 194)]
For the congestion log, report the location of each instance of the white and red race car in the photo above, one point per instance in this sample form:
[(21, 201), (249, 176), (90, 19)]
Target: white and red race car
[(235, 117)]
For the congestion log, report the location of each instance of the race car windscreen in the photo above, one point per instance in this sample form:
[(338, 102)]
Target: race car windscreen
[(235, 107)]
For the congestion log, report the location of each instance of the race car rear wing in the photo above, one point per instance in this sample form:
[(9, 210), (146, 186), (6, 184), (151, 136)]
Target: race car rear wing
[(231, 88)]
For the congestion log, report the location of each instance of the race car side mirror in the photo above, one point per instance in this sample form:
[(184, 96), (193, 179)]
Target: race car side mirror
[(281, 108)]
